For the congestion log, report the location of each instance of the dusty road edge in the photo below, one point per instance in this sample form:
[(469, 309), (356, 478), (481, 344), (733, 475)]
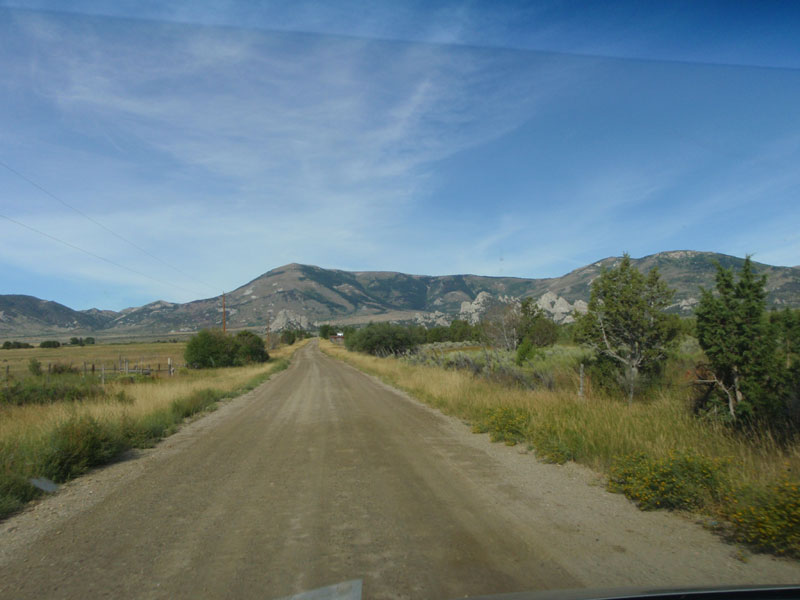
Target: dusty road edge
[(574, 471)]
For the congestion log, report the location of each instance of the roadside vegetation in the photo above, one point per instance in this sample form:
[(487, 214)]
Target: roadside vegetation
[(59, 425), (684, 414)]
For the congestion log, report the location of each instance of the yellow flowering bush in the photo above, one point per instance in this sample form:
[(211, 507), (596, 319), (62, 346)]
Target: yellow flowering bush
[(503, 424), (680, 480), (770, 519)]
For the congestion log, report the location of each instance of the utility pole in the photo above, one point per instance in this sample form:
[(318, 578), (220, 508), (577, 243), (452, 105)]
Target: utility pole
[(223, 313)]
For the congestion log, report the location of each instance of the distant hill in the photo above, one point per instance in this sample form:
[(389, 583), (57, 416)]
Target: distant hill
[(298, 295), (23, 315)]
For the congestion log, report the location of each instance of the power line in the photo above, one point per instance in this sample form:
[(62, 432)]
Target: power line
[(97, 256), (99, 224)]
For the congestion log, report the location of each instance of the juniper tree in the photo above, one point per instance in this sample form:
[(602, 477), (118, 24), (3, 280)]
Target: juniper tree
[(626, 322), (739, 343)]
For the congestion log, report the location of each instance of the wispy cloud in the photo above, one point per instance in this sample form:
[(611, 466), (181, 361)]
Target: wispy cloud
[(233, 150)]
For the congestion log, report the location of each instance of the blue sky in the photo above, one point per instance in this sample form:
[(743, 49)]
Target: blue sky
[(213, 143)]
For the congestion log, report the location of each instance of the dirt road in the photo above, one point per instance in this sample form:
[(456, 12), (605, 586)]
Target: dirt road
[(324, 475)]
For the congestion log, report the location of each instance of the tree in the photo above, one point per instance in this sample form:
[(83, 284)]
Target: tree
[(35, 367), (249, 348), (381, 339), (501, 326), (327, 330), (461, 331), (214, 348), (288, 337), (740, 344), (209, 348), (787, 329), (536, 330), (626, 322), (50, 344), (536, 325)]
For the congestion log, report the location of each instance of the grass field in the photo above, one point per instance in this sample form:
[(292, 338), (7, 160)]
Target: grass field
[(61, 440), (656, 451), (148, 354)]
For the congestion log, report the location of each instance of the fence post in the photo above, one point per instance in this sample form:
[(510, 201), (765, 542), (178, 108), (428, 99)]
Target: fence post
[(103, 374), (580, 390), (126, 366)]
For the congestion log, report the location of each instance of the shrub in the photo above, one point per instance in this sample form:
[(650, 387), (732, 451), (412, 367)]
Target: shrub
[(288, 337), (214, 348), (32, 391), (526, 351), (194, 402), (35, 367), (557, 446), (63, 369), (79, 444), (50, 344), (249, 348), (15, 345), (678, 481), (15, 491), (769, 520), (503, 424), (381, 339)]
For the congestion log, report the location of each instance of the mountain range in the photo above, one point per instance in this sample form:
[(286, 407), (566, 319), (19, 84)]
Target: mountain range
[(298, 295)]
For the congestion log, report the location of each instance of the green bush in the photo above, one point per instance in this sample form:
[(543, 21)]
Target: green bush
[(769, 520), (194, 402), (15, 491), (50, 344), (35, 367), (556, 446), (381, 339), (503, 424), (249, 348), (214, 348), (79, 444), (15, 345), (38, 391), (678, 481)]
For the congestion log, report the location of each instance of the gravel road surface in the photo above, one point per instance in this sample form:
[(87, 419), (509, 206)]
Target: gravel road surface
[(324, 475)]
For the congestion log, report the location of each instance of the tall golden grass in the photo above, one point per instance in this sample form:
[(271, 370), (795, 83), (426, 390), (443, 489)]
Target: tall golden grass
[(36, 420)]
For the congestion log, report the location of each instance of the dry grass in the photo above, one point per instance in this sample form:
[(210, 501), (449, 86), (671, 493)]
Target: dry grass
[(36, 420), (147, 354)]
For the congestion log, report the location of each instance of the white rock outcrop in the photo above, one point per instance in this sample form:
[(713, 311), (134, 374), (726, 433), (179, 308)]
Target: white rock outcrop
[(559, 308), (473, 311), (288, 319)]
